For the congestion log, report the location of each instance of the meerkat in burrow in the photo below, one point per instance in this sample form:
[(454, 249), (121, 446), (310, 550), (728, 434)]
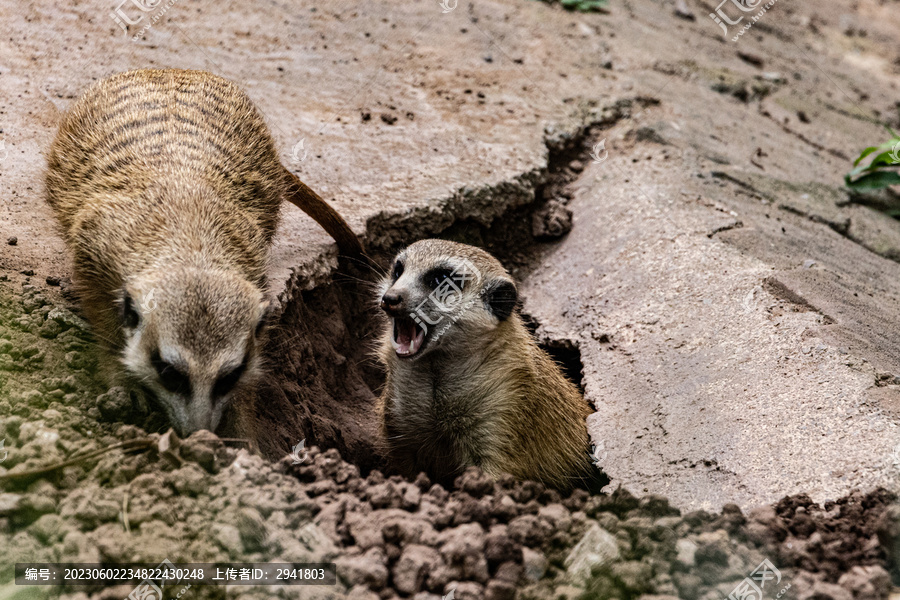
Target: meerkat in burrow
[(167, 187), (466, 382)]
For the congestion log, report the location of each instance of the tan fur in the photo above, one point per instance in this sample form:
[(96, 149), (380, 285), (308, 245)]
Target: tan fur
[(483, 393), (167, 187)]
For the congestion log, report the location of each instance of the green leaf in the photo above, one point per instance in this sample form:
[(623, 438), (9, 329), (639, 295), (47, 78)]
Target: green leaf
[(879, 172), (874, 181), (584, 5), (865, 153), (883, 159)]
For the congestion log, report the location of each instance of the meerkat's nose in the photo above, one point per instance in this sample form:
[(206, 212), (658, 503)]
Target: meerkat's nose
[(391, 301)]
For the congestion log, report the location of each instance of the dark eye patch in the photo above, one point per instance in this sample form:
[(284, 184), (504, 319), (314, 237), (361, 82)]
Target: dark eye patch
[(170, 377), (435, 277), (225, 383), (398, 270), (128, 314)]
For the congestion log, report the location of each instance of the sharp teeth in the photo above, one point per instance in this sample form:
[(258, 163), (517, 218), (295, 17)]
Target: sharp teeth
[(407, 338)]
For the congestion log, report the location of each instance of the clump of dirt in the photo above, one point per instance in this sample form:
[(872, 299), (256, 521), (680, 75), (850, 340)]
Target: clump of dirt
[(124, 499), (831, 538), (494, 540)]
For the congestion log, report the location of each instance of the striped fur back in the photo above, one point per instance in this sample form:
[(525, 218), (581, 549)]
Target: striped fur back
[(140, 126)]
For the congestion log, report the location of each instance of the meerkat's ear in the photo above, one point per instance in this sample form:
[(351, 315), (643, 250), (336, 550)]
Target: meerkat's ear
[(501, 296)]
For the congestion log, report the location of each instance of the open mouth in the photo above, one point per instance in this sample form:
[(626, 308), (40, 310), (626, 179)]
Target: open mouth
[(408, 337)]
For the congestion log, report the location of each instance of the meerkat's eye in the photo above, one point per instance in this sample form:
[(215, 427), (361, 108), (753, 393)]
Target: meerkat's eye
[(226, 382), (170, 377), (398, 270), (436, 277), (130, 316)]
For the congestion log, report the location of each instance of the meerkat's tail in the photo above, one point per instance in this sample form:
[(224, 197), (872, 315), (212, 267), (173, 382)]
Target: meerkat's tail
[(311, 203)]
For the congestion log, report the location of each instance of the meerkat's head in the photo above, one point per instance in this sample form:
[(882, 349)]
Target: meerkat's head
[(192, 340), (441, 294)]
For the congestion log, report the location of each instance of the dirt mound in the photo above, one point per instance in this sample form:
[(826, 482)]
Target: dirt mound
[(486, 539)]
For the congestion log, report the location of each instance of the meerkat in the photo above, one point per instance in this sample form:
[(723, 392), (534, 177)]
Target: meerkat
[(167, 187), (466, 382)]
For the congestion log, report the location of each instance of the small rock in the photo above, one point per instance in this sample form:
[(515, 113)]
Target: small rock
[(467, 590), (203, 448), (597, 547), (499, 590), (773, 76), (475, 483), (50, 329), (866, 583), (529, 530), (77, 360), (52, 280), (115, 405), (657, 506), (385, 495), (557, 515), (712, 548), (634, 575), (567, 592), (49, 528), (9, 504), (228, 537), (369, 569), (412, 497), (462, 543), (504, 508), (753, 59), (732, 519), (683, 11), (807, 587), (252, 528), (422, 482), (551, 221), (190, 480), (500, 548), (361, 592), (413, 567), (686, 550), (12, 240), (510, 571), (535, 564), (66, 318)]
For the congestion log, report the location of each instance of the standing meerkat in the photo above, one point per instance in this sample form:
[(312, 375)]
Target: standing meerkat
[(466, 382), (167, 188)]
